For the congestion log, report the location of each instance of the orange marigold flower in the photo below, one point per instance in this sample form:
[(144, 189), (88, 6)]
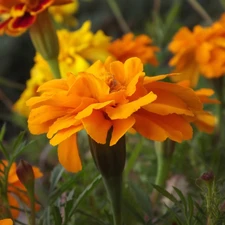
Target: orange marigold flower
[(129, 46), (110, 95), (6, 222), (16, 16), (199, 52), (16, 190)]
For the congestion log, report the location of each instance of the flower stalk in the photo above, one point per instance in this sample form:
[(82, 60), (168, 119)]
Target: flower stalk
[(164, 153), (110, 161), (45, 40)]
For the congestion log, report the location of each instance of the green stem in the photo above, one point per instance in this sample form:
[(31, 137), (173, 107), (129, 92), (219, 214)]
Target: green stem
[(117, 13), (114, 189), (54, 65), (164, 153), (201, 11), (32, 206), (210, 188)]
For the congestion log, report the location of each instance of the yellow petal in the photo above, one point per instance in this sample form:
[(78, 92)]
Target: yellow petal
[(132, 67), (120, 127), (68, 154), (63, 134), (97, 126), (125, 110)]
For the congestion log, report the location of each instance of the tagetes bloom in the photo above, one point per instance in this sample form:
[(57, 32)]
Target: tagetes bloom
[(201, 51), (205, 121), (6, 222), (110, 95), (64, 14), (75, 56), (130, 46), (16, 190), (16, 16)]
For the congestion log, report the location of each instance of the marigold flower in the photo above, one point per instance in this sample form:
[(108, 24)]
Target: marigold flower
[(199, 52), (6, 222), (18, 15), (16, 190), (74, 56), (110, 95), (65, 14), (129, 46)]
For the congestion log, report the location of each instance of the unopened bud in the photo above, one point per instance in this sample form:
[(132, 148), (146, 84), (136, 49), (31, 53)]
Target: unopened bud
[(208, 176), (25, 174)]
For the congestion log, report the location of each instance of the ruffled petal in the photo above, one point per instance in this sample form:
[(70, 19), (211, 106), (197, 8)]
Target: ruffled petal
[(97, 126), (64, 134), (120, 127), (125, 110)]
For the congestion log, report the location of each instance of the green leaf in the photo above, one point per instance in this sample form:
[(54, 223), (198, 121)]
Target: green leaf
[(56, 215), (190, 207), (165, 193), (183, 200), (142, 199), (2, 132), (55, 176), (86, 191)]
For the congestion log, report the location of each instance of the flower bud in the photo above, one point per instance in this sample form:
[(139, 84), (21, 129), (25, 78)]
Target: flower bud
[(109, 160), (25, 174), (208, 176)]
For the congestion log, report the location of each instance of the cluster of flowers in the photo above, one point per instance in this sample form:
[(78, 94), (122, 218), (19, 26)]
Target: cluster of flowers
[(114, 92)]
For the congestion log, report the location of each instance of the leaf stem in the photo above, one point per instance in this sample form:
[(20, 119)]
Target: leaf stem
[(117, 13)]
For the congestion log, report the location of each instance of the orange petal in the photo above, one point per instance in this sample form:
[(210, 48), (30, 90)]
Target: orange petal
[(120, 127), (13, 202), (64, 134), (132, 67), (6, 222), (37, 172), (61, 123), (168, 103), (89, 110), (205, 121), (125, 110), (97, 126), (172, 126), (68, 154)]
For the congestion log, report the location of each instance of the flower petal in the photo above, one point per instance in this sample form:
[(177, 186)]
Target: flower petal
[(63, 134), (120, 127), (68, 154), (97, 126), (125, 110)]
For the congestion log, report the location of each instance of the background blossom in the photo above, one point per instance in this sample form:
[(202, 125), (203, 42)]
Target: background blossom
[(200, 51), (16, 16), (16, 191), (75, 56)]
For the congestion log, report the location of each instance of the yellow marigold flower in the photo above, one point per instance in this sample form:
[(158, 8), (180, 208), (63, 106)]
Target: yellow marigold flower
[(205, 121), (16, 190), (199, 52), (74, 56), (65, 14), (18, 15), (129, 46), (110, 95), (6, 222)]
